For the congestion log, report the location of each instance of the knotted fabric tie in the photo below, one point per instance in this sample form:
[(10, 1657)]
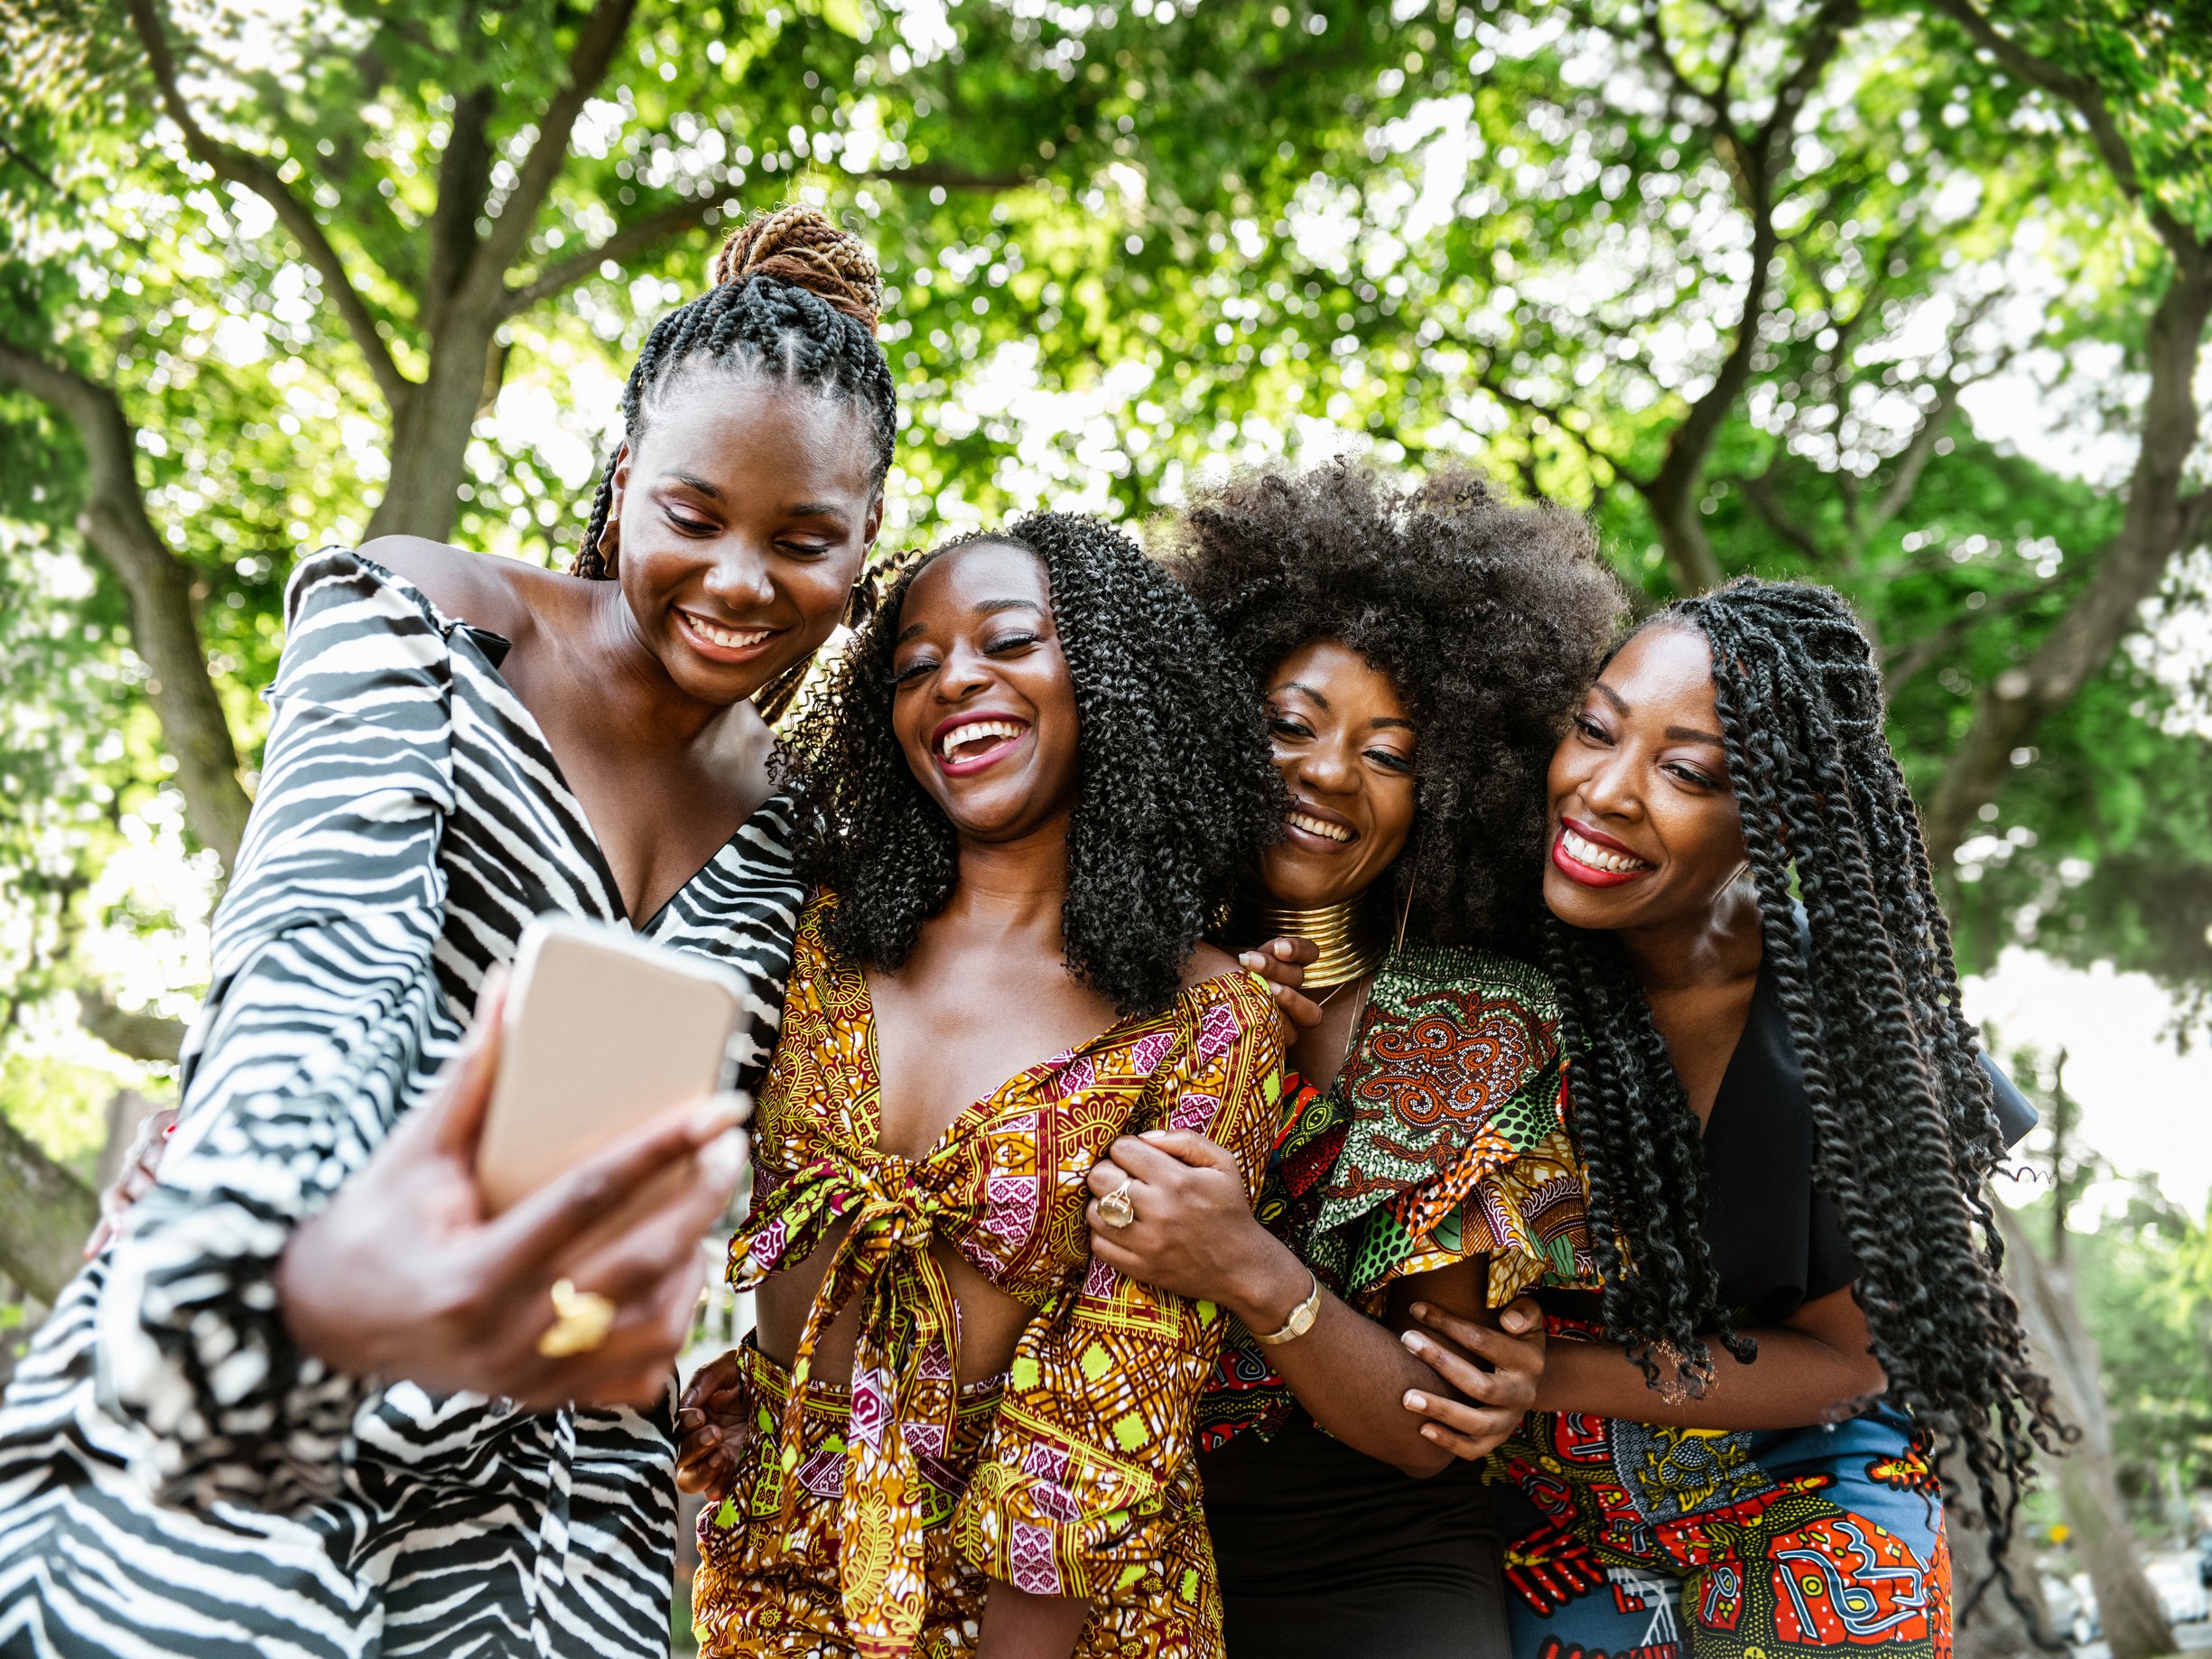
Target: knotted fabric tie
[(909, 1333)]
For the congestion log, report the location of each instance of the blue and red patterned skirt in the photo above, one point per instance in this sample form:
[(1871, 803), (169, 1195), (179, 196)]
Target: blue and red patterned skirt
[(1634, 1541)]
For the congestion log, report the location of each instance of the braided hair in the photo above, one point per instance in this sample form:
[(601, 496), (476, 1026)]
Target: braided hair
[(1905, 1130), (1178, 799), (1488, 618), (795, 298)]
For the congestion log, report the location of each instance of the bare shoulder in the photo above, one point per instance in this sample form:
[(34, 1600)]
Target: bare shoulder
[(1208, 962), (481, 589)]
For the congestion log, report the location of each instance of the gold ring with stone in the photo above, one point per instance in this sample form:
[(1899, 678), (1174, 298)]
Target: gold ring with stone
[(582, 1319), (1115, 1210)]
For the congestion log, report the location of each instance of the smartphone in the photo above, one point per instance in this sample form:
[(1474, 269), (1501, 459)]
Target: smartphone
[(603, 1031)]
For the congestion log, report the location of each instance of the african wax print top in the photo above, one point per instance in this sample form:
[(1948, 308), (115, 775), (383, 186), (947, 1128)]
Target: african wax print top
[(1097, 1414), (1440, 1141)]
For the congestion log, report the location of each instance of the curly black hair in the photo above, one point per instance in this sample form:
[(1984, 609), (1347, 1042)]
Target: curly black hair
[(1489, 619), (1177, 794), (1905, 1130)]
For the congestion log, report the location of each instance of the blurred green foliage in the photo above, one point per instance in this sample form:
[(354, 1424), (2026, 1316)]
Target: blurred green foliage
[(1124, 242)]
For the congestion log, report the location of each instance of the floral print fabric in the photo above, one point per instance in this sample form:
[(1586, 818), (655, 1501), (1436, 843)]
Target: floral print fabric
[(1442, 1141), (1081, 1487)]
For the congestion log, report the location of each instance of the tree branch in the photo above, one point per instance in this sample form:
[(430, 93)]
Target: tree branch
[(1672, 491), (253, 173), (639, 233), (597, 42), (1491, 381), (2157, 523), (464, 175), (941, 176), (2086, 97), (35, 170), (1759, 488), (141, 1036), (1902, 665), (163, 627)]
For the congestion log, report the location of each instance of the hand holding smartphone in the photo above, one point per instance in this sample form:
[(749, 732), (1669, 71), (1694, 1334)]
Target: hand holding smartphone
[(602, 1033), (577, 1137)]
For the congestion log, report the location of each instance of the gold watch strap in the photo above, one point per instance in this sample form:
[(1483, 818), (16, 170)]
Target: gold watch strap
[(1302, 1316)]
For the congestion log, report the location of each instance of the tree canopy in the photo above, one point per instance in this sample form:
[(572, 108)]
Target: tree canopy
[(1908, 298)]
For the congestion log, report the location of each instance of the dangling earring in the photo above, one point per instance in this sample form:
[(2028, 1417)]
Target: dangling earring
[(861, 602), (1404, 903)]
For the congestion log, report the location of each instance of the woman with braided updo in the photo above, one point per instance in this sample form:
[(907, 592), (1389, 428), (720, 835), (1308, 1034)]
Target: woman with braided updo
[(1418, 651), (368, 1426), (1032, 781), (1787, 1127)]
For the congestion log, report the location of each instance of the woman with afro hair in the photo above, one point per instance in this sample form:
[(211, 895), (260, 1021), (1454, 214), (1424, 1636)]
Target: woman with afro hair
[(1787, 1129), (1031, 784), (1419, 651)]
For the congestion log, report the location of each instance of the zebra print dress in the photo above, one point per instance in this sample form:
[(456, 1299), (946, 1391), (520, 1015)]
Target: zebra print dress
[(175, 1476)]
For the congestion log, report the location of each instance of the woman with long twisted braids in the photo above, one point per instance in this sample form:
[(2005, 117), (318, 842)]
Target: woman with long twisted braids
[(1032, 783), (332, 1409), (1787, 1127), (1419, 651)]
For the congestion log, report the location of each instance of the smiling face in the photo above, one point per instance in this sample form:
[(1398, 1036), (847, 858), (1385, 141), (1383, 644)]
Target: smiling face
[(1345, 745), (745, 511), (984, 707), (1644, 829)]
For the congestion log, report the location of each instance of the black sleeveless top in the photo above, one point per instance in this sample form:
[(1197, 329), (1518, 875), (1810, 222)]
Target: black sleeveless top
[(1777, 1239)]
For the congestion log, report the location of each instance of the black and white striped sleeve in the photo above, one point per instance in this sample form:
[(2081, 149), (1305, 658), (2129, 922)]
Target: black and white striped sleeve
[(322, 1018)]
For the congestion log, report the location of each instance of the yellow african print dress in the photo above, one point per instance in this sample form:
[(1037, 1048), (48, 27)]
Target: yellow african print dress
[(872, 1519)]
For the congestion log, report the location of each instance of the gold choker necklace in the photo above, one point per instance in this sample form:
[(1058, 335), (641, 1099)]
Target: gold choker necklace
[(1351, 947)]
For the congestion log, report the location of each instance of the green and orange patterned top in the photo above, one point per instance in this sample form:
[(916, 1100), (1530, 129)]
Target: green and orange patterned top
[(1097, 1416), (1442, 1141)]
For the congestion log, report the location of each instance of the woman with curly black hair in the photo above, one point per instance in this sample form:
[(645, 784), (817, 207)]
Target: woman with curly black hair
[(1788, 1128), (1419, 651), (1029, 785)]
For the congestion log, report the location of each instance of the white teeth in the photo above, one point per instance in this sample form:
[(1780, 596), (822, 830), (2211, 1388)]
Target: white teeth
[(730, 639), (976, 732), (1598, 858), (1315, 827)]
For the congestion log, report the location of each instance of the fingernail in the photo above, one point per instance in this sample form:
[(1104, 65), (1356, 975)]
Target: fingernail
[(724, 1112), (1430, 1431), (1421, 1310), (1416, 1401), (1153, 1135), (1253, 960), (723, 1158), (1412, 1339)]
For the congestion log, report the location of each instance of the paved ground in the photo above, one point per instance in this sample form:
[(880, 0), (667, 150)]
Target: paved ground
[(2187, 1637)]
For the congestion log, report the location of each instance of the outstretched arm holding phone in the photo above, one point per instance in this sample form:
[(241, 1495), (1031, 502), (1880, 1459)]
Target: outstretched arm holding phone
[(468, 1304)]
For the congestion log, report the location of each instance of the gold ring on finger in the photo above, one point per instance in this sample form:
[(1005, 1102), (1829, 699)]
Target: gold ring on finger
[(1115, 1210), (581, 1320)]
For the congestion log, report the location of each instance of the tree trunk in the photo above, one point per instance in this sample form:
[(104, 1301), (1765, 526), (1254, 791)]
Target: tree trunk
[(430, 432), (164, 623), (2134, 1620), (46, 1214), (2159, 525)]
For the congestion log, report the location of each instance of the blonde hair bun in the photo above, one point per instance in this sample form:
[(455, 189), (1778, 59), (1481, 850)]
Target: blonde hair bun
[(804, 246)]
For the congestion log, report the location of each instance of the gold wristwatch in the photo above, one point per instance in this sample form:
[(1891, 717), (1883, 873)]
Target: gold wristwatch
[(1302, 1316)]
